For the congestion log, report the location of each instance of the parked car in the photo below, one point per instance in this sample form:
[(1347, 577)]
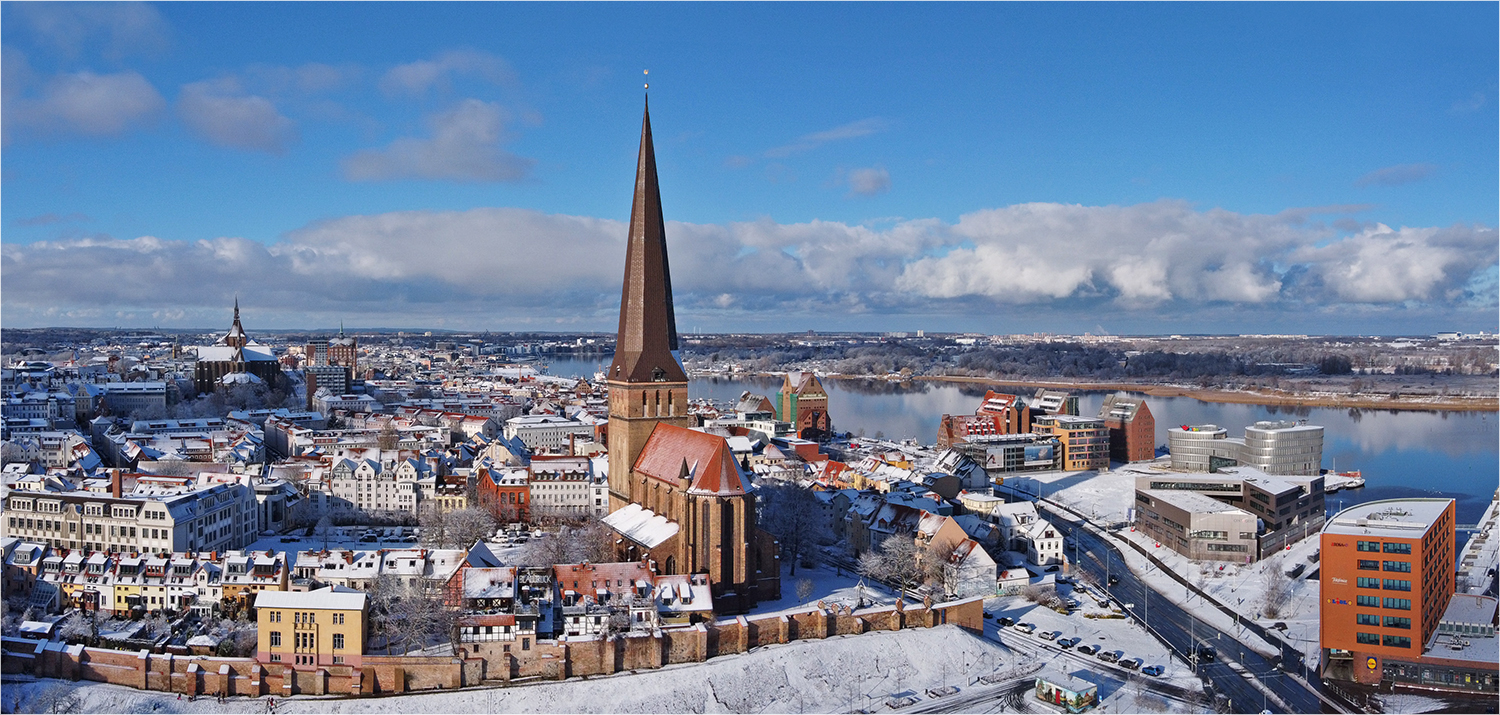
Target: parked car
[(1067, 642), (1072, 603), (1049, 635), (369, 538), (1280, 626), (1153, 670), (1111, 656), (1025, 627), (1089, 649), (987, 614), (1130, 663), (1005, 622)]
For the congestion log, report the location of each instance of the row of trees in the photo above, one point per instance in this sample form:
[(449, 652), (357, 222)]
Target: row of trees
[(906, 564)]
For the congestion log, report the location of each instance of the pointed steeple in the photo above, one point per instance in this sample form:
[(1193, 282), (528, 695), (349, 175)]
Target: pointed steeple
[(644, 349)]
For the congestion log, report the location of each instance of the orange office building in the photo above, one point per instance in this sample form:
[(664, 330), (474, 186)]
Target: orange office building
[(1387, 576)]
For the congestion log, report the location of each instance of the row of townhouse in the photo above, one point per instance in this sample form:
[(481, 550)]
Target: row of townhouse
[(559, 486), (514, 606), (213, 512), (288, 439), (407, 568), (127, 584)]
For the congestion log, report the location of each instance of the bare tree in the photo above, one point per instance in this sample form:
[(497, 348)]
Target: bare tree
[(796, 518), (323, 528), (388, 437), (57, 697), (1277, 590), (897, 562), (76, 627), (943, 566), (466, 526), (804, 589)]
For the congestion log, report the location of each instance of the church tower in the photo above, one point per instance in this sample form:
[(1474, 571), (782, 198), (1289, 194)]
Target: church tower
[(647, 384)]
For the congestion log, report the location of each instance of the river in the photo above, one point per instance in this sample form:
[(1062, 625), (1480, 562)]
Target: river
[(1402, 453)]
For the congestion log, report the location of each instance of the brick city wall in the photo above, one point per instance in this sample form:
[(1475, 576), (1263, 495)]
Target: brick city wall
[(478, 662)]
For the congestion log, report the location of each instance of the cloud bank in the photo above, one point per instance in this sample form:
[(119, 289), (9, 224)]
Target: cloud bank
[(499, 266)]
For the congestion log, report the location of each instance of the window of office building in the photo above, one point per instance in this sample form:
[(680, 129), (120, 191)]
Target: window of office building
[(1401, 566), (1367, 619), (1397, 622), (1397, 641), (1403, 604), (1368, 582), (1368, 601), (1398, 549), (1393, 584), (1367, 565), (1367, 638)]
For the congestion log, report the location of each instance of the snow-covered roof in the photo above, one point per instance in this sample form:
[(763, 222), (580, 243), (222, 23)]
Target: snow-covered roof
[(641, 525), (333, 598), (1396, 518)]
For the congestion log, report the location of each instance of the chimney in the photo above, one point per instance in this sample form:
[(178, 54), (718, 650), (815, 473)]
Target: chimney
[(114, 483)]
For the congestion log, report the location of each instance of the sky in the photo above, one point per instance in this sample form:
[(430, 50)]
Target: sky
[(1326, 168)]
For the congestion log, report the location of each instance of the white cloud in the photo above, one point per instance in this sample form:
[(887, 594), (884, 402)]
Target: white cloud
[(417, 78), (869, 181), (1143, 254), (464, 146), (220, 112), (116, 29), (1396, 175), (1384, 265), (502, 266), (852, 130), (79, 103)]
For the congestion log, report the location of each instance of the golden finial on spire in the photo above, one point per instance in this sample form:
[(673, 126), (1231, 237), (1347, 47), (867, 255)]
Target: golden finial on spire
[(647, 72)]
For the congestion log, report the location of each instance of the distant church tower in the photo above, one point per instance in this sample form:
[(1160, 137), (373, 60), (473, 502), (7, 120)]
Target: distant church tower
[(647, 384)]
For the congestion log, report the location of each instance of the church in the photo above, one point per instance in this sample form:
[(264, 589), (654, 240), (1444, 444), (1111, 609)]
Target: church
[(676, 495), (235, 358)]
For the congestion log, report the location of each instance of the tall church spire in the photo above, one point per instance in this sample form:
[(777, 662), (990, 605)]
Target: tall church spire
[(644, 349)]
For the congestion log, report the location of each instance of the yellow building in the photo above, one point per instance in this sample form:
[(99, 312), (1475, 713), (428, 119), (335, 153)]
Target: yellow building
[(308, 630)]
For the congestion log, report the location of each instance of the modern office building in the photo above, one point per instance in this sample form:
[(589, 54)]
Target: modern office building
[(1084, 441), (1387, 579), (1287, 509), (1197, 526), (1274, 447)]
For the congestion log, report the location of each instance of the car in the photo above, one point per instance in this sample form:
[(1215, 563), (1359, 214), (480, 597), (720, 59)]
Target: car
[(1067, 642), (1153, 670), (1280, 626), (1025, 627), (1049, 635), (1005, 621), (1130, 663), (1089, 649), (1053, 568), (1114, 580), (368, 539), (1072, 603), (1111, 656), (1064, 579), (987, 614), (1207, 653)]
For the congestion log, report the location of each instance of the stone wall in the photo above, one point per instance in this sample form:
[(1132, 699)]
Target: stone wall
[(478, 662)]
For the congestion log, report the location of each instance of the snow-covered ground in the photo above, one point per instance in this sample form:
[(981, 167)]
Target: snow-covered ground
[(804, 676), (295, 544), (830, 585)]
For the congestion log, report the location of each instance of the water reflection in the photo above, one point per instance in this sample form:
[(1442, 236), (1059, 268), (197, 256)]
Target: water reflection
[(1401, 452)]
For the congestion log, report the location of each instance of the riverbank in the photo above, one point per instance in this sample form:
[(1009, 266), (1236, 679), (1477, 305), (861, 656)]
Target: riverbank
[(1434, 403)]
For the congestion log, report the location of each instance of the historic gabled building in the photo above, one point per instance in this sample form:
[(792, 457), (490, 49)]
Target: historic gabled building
[(677, 496), (803, 403), (235, 354)]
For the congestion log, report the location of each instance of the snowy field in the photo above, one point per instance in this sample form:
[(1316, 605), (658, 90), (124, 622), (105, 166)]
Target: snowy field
[(804, 676)]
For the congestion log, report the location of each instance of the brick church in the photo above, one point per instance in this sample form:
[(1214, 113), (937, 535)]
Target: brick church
[(676, 495)]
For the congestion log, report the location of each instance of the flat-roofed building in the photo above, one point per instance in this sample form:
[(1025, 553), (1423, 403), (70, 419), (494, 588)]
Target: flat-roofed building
[(1202, 448), (1083, 441), (1387, 578), (1274, 447), (1196, 526)]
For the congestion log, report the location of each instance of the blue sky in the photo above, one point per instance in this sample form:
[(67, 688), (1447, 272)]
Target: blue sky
[(1132, 168)]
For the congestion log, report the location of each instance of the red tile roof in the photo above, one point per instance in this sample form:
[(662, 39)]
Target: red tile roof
[(707, 459)]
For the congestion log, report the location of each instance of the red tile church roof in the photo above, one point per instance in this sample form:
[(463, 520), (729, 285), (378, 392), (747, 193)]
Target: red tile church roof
[(705, 458)]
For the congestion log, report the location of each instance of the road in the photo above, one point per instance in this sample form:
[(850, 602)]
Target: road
[(1180, 630)]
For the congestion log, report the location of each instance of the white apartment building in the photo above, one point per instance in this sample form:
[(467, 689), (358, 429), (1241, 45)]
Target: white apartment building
[(327, 403), (216, 517), (567, 486), (547, 432), (371, 486), (123, 398)]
